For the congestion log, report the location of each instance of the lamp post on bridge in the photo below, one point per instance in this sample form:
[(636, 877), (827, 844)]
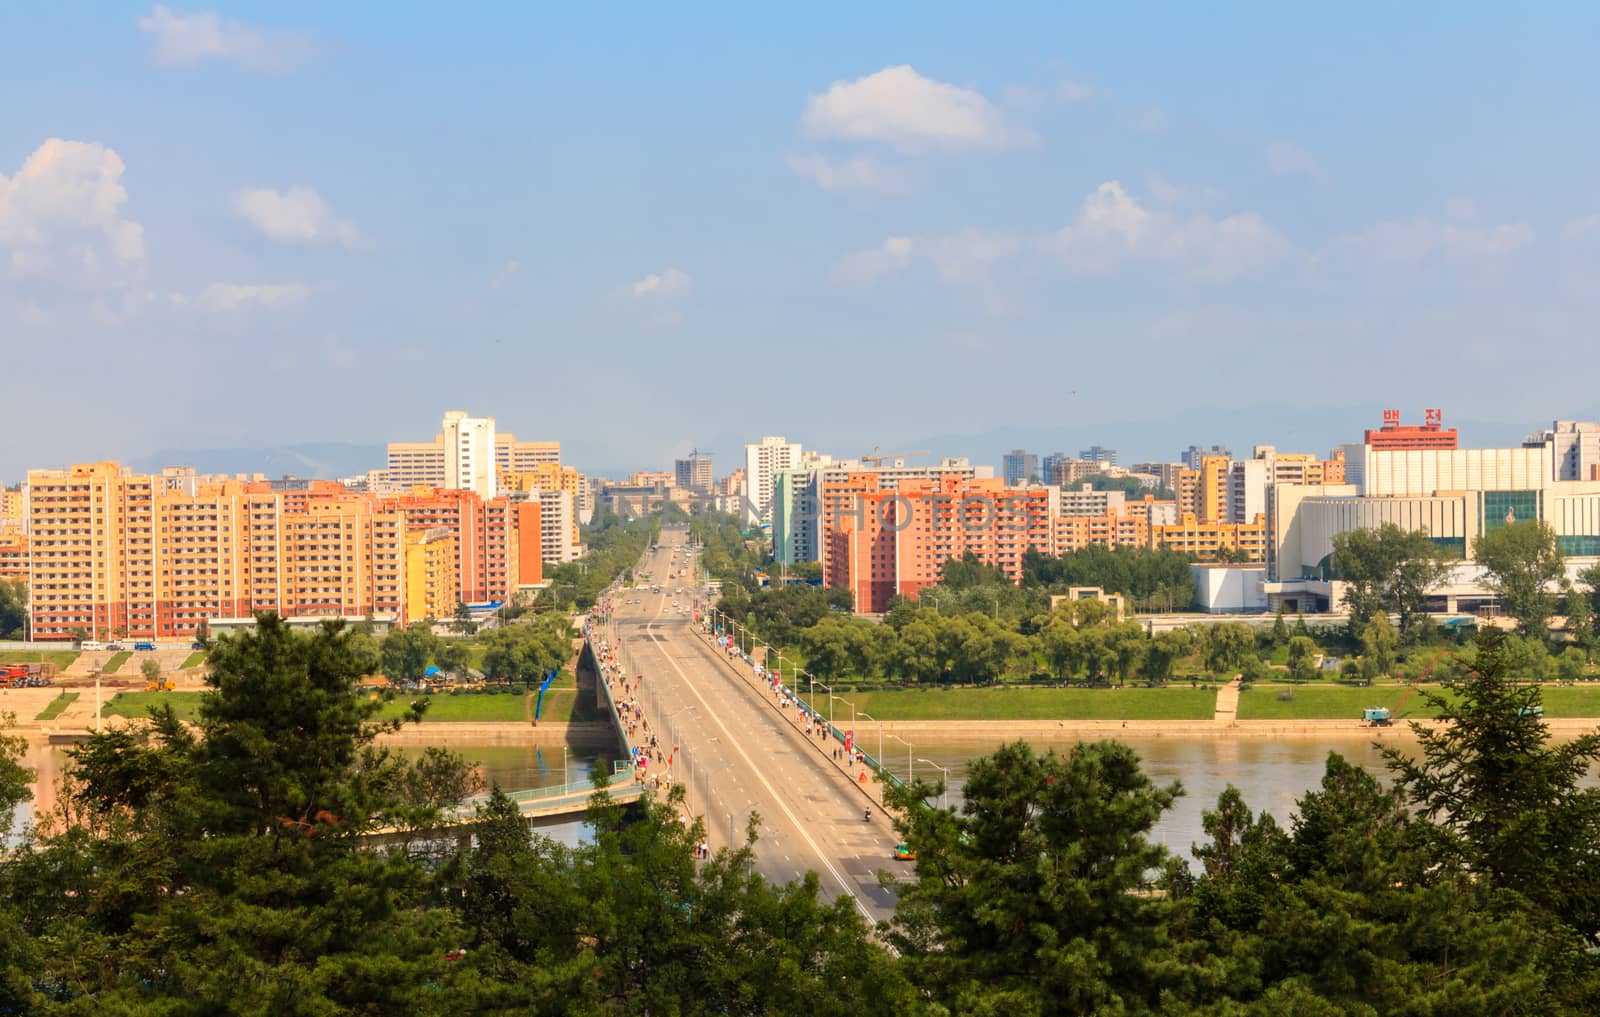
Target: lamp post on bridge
[(909, 771), (878, 722), (944, 788)]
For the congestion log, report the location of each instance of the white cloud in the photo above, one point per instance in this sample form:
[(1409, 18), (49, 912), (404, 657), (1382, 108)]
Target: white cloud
[(1075, 91), (1461, 208), (297, 216), (669, 283), (899, 107), (857, 173), (1584, 226), (1286, 159), (231, 297), (504, 275), (336, 353), (1162, 189), (1113, 229), (192, 38), (1415, 239), (1151, 121), (892, 255), (62, 214)]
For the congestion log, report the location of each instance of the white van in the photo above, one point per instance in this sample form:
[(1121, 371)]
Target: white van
[(91, 644)]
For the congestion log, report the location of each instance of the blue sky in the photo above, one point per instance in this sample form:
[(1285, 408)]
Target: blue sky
[(638, 230)]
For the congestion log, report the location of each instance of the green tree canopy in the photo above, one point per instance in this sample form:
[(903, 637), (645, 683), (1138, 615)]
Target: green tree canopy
[(1388, 570), (1522, 564)]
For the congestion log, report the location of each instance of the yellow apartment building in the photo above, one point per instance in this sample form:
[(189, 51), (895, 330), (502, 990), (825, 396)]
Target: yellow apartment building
[(431, 574), (1206, 539)]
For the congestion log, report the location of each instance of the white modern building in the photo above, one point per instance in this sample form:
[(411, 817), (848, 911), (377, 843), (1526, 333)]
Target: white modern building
[(762, 461), (1455, 496), (469, 460)]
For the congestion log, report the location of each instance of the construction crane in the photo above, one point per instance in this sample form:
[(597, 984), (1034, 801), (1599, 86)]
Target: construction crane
[(878, 456)]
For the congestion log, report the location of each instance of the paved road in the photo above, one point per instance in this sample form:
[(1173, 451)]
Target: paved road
[(734, 743)]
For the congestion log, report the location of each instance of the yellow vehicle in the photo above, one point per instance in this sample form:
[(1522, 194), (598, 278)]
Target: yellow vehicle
[(160, 685)]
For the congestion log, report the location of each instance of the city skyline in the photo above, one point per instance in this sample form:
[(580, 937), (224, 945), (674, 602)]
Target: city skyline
[(419, 212)]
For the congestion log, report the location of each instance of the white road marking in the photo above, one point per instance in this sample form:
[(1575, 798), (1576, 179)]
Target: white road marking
[(771, 791)]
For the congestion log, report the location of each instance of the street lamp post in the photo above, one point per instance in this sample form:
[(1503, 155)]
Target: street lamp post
[(944, 792), (909, 770), (878, 722)]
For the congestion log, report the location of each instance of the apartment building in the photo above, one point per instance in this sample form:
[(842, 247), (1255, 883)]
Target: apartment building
[(494, 538), (487, 453), (14, 557), (896, 541), (111, 552), (432, 571), (1206, 538), (762, 461), (1111, 529), (831, 488), (693, 473), (1017, 467), (1084, 500)]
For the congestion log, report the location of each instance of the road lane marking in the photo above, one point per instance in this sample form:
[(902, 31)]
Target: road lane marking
[(844, 884)]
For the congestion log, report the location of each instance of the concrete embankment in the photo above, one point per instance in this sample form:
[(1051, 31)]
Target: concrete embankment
[(592, 734)]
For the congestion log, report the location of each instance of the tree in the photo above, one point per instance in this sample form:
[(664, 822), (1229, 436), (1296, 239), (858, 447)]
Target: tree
[(463, 623), (1280, 630), (405, 653), (222, 873), (1165, 649), (1302, 658), (1511, 805), (1571, 664), (1521, 561), (1227, 646), (13, 609), (1379, 642), (525, 653), (1027, 901), (1581, 616), (202, 634), (452, 656), (151, 669), (1387, 570)]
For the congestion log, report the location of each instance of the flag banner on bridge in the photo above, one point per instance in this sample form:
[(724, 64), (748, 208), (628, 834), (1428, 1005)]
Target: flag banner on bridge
[(849, 740)]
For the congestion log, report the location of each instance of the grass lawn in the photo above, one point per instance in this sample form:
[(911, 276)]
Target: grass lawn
[(194, 659), (1332, 702), (116, 661), (560, 706), (1571, 700), (60, 658), (59, 703), (137, 704), (1034, 704)]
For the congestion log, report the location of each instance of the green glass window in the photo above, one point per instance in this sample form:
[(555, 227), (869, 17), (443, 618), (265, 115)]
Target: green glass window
[(1501, 508)]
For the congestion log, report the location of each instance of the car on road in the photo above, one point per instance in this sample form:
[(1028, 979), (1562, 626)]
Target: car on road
[(144, 646), (114, 647)]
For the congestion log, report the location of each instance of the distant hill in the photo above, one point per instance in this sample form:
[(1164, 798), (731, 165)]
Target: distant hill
[(323, 460)]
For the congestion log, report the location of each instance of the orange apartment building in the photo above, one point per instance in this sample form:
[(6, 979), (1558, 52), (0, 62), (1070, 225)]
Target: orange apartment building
[(895, 542), (115, 553), (497, 541)]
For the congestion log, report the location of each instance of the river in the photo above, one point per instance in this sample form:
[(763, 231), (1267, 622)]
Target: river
[(1272, 774)]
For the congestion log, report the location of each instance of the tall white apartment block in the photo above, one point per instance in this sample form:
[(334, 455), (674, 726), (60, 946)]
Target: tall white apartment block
[(761, 463), (469, 459)]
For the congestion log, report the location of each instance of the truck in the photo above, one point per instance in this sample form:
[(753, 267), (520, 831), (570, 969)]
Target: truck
[(1376, 716)]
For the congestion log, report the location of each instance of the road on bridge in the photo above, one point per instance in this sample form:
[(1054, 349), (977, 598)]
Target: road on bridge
[(737, 754)]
